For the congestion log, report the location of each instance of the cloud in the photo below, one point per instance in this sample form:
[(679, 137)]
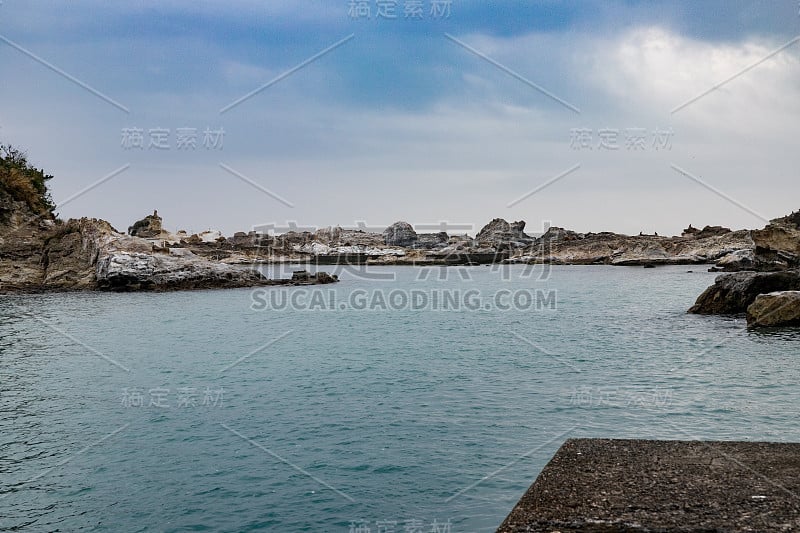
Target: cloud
[(403, 123)]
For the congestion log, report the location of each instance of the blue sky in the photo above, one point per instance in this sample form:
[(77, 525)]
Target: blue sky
[(402, 122)]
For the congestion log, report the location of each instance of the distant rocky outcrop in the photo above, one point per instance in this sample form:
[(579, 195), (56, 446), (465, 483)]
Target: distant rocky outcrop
[(431, 241), (503, 235), (148, 227), (775, 309), (562, 246), (733, 293), (708, 231), (556, 234), (39, 253), (400, 234), (302, 277), (498, 241)]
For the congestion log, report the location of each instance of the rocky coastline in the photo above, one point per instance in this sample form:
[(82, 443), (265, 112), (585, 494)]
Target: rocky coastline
[(39, 252), (499, 241)]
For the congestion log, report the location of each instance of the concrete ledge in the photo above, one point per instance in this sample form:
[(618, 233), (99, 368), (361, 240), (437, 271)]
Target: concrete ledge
[(604, 485)]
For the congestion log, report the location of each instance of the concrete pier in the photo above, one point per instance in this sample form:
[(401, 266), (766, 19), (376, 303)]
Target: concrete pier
[(604, 485)]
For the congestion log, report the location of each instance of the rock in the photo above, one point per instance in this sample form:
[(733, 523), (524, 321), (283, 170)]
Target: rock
[(777, 246), (432, 241), (302, 277), (501, 235), (708, 231), (131, 271), (181, 252), (775, 309), (711, 231), (400, 234), (329, 235), (737, 261), (313, 248), (556, 234), (148, 227), (560, 246), (688, 232), (733, 293), (89, 254)]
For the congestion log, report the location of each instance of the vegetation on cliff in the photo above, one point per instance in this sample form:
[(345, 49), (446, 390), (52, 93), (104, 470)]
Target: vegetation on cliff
[(20, 181)]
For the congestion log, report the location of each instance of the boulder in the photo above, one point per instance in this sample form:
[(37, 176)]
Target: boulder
[(737, 261), (500, 235), (400, 234), (148, 227), (775, 309), (303, 277), (733, 293)]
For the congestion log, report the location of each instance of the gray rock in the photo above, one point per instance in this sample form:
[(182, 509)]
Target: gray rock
[(775, 309), (432, 241), (738, 260), (502, 234), (400, 234), (733, 293), (777, 246), (148, 227), (130, 271)]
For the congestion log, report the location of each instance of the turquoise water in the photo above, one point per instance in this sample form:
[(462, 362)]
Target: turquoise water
[(129, 412)]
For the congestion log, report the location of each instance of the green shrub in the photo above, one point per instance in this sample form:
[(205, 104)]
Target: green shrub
[(23, 182)]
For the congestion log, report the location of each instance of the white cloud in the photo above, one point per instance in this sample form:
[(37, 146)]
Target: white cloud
[(464, 158)]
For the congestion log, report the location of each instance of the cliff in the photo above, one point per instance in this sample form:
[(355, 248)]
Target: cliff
[(39, 253)]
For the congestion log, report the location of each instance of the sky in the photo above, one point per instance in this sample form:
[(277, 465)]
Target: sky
[(622, 116)]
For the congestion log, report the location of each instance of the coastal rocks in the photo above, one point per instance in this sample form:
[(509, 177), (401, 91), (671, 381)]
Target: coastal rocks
[(133, 271), (708, 231), (737, 261), (775, 309), (209, 236), (733, 293), (560, 246), (302, 277), (22, 234), (89, 254), (313, 248), (556, 234), (400, 234), (148, 227), (777, 246), (318, 249), (328, 235), (431, 241), (502, 234)]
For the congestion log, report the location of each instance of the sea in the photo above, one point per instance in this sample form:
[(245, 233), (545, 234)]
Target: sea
[(399, 399)]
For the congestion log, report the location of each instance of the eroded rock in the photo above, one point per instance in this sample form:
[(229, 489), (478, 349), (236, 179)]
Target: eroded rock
[(400, 234), (733, 293), (148, 227), (502, 235), (775, 309)]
